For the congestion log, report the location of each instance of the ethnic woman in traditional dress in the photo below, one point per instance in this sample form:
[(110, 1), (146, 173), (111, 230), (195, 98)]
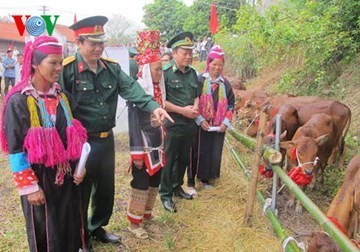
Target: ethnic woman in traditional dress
[(44, 143), (146, 138), (216, 106)]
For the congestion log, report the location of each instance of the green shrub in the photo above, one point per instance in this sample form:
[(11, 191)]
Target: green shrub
[(309, 38)]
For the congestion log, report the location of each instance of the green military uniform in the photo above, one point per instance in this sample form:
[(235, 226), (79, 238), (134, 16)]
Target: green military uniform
[(97, 95), (181, 90), (133, 65), (133, 68)]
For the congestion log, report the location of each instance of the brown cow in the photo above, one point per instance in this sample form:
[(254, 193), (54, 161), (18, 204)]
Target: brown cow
[(322, 242), (344, 211), (311, 144), (345, 207), (289, 124), (285, 105), (341, 116), (248, 98), (236, 83), (291, 119), (252, 110), (270, 105)]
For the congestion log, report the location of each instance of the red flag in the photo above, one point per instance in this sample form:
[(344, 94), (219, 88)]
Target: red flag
[(214, 23), (75, 19)]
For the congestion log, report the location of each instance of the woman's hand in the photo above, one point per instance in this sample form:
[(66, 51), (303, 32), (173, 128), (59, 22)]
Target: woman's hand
[(205, 125), (138, 163), (223, 128), (36, 198), (79, 178)]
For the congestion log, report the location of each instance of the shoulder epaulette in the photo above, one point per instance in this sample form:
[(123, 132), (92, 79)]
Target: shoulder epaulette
[(110, 60), (192, 67), (68, 60), (166, 66)]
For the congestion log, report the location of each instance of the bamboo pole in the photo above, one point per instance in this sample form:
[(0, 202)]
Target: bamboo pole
[(238, 160), (255, 171), (270, 154), (341, 239), (281, 232), (276, 179)]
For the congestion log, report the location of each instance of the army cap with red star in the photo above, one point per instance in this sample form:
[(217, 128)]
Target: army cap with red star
[(91, 28)]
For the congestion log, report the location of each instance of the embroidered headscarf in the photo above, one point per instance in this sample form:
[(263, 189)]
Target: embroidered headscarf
[(42, 142), (42, 44), (215, 53), (148, 47), (213, 113)]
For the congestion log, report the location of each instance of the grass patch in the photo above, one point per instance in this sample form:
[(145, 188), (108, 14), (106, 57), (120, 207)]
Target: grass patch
[(213, 222)]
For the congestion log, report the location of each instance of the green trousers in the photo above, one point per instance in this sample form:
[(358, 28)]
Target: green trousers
[(99, 184), (177, 153)]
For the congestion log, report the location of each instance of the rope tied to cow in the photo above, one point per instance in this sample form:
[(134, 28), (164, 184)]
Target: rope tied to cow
[(300, 245), (315, 162), (253, 120), (296, 173), (267, 204)]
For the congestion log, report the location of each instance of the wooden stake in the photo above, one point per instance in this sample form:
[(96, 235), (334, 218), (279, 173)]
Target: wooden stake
[(255, 171)]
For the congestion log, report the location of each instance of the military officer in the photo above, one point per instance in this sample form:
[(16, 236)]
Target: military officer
[(133, 65), (182, 94), (95, 83)]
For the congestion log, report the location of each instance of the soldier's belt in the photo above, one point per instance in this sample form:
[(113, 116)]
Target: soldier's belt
[(104, 134)]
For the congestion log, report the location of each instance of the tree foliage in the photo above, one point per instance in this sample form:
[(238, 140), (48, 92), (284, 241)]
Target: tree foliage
[(172, 17), (315, 36), (119, 30), (166, 16)]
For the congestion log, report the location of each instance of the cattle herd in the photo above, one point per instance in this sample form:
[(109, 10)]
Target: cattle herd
[(313, 131)]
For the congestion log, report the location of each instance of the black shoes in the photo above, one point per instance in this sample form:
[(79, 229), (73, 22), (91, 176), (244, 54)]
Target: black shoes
[(179, 193), (101, 235), (169, 205)]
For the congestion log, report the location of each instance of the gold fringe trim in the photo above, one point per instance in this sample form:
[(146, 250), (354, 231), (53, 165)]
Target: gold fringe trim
[(34, 117)]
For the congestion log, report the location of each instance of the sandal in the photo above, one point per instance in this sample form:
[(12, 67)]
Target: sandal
[(207, 186), (192, 192), (139, 232)]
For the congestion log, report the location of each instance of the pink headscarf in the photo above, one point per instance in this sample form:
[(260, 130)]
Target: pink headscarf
[(215, 53), (43, 44)]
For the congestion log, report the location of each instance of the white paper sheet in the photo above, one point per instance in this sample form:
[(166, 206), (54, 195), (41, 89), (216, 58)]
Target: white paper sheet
[(214, 128), (83, 158)]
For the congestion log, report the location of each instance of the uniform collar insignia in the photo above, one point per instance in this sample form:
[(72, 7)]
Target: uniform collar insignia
[(102, 64), (81, 66)]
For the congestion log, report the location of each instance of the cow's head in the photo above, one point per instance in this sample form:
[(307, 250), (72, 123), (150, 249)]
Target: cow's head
[(249, 110), (270, 138), (303, 152), (322, 242), (253, 127)]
